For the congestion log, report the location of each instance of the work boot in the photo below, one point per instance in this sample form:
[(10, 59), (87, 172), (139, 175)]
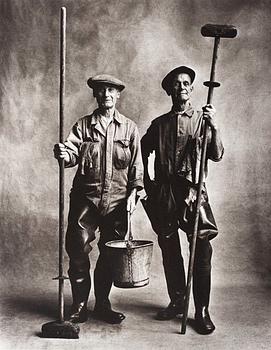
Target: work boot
[(80, 285), (103, 311), (174, 309), (79, 313), (204, 324)]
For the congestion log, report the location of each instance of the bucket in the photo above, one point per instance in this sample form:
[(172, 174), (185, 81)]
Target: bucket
[(131, 261)]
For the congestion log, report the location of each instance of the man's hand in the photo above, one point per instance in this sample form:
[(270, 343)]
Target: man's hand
[(208, 114), (131, 201), (60, 152)]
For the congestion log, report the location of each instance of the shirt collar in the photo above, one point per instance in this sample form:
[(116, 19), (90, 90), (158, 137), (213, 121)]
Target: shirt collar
[(116, 117), (187, 112)]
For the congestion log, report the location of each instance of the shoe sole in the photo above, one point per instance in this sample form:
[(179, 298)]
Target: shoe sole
[(104, 319)]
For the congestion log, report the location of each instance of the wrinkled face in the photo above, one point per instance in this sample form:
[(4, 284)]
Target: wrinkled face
[(181, 88), (106, 95)]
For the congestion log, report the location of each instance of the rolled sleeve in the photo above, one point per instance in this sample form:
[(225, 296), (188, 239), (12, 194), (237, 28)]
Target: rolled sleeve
[(135, 177), (73, 144), (215, 150), (215, 158)]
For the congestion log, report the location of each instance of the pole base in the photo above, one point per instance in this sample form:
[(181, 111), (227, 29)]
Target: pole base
[(57, 329)]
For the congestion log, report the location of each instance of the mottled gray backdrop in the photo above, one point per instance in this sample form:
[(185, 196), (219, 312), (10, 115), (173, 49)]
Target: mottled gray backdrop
[(138, 41)]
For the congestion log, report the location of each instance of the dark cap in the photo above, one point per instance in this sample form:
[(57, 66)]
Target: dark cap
[(105, 79), (167, 81)]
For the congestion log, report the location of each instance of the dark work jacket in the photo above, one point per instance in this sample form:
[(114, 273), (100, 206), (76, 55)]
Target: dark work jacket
[(176, 140)]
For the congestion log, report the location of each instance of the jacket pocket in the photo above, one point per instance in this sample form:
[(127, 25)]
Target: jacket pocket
[(122, 154), (89, 157)]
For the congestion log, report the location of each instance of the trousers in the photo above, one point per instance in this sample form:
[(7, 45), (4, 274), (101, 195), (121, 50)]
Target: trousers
[(174, 269), (83, 221)]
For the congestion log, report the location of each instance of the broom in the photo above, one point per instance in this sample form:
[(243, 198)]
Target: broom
[(61, 328)]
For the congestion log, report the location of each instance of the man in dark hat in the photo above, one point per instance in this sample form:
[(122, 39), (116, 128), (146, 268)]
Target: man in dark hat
[(106, 147), (176, 138)]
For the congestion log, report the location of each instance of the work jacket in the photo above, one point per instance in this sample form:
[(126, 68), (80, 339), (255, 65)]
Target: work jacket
[(109, 160), (176, 139)]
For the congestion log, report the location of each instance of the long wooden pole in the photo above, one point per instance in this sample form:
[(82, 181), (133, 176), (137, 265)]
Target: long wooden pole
[(61, 162)]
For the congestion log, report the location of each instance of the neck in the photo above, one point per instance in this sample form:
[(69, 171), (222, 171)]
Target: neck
[(107, 112), (181, 106)]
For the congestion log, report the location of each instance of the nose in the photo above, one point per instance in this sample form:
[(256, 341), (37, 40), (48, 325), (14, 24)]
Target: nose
[(106, 92)]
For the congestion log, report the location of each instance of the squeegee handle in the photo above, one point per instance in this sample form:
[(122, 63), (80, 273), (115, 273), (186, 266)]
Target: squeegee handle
[(211, 84)]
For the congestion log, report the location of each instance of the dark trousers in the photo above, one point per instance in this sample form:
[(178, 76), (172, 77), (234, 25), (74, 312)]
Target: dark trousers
[(83, 221), (174, 269)]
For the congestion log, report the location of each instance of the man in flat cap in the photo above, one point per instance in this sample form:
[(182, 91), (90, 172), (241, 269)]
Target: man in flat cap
[(106, 147), (176, 139)]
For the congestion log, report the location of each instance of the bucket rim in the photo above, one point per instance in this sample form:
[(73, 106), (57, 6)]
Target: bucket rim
[(145, 244)]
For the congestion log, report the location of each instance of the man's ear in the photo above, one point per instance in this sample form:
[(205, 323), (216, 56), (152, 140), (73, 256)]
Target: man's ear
[(118, 94), (191, 88)]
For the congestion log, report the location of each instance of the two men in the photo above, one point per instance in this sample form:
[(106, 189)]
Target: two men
[(106, 147), (176, 139)]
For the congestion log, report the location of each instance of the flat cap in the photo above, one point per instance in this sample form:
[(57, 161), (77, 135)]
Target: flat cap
[(167, 81), (105, 79)]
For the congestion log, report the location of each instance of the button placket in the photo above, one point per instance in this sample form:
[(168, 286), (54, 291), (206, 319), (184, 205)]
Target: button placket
[(108, 165), (181, 139)]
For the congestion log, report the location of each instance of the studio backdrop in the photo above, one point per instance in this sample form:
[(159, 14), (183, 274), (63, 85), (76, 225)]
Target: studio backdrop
[(139, 42)]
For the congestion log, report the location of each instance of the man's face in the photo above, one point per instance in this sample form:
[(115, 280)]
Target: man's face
[(181, 88), (106, 95)]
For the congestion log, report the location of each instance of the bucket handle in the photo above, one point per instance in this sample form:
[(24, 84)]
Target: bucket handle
[(129, 229)]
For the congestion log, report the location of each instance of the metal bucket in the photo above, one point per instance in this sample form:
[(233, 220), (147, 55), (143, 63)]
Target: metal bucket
[(130, 262)]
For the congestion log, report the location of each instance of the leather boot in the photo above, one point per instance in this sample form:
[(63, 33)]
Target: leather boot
[(80, 292), (174, 309), (203, 322), (103, 311), (79, 313)]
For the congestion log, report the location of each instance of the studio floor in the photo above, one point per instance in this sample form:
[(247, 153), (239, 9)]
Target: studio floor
[(241, 313)]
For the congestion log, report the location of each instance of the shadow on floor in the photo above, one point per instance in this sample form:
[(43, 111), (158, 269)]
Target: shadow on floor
[(43, 305), (46, 305)]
